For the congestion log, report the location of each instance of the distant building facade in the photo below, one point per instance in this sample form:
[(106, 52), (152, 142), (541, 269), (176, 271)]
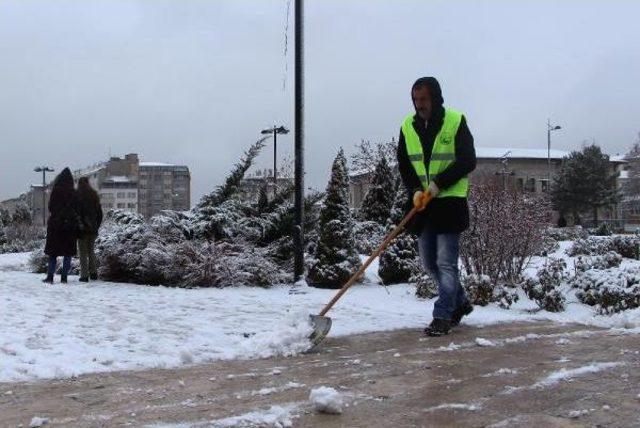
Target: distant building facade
[(143, 187), (163, 187)]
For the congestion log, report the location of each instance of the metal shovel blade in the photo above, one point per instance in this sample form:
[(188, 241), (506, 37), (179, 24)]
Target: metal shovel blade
[(321, 326)]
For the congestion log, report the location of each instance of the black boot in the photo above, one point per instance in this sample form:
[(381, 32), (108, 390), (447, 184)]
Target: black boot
[(462, 311), (63, 279), (438, 327), (48, 279), (83, 279), (93, 276)]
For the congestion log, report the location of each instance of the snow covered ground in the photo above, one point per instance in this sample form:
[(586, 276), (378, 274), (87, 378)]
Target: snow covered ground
[(66, 330)]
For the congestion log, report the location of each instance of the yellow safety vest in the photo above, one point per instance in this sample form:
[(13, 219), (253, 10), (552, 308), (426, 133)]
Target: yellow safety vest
[(443, 153)]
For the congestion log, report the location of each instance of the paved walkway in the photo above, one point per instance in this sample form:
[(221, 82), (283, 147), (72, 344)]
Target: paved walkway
[(534, 374)]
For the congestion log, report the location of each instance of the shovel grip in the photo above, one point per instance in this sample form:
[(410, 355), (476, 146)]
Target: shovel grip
[(395, 232)]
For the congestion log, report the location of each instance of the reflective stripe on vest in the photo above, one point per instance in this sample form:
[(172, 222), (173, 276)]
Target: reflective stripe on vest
[(443, 153)]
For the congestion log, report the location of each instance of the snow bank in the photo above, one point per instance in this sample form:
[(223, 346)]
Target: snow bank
[(61, 331), (326, 400)]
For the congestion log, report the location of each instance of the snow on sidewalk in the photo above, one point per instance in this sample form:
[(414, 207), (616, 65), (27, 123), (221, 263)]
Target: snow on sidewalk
[(61, 331)]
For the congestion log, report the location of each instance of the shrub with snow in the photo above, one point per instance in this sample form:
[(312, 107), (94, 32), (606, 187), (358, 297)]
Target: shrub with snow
[(368, 236), (567, 233), (506, 229), (400, 261), (326, 400), (605, 261), (426, 287), (335, 258), (625, 245), (610, 290), (481, 290), (545, 288)]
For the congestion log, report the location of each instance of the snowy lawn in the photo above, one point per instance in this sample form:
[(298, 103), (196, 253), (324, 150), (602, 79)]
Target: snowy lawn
[(60, 331)]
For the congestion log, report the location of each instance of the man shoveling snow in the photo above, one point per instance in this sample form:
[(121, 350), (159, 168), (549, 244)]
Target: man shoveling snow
[(435, 155)]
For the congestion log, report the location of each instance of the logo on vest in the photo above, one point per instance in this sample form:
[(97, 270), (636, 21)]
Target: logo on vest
[(446, 140)]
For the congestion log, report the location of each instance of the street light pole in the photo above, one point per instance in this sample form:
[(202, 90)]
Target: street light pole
[(298, 238), (549, 129), (275, 131), (44, 170)]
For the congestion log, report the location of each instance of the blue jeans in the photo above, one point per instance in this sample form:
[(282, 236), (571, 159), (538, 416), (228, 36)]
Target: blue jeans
[(66, 265), (439, 255)]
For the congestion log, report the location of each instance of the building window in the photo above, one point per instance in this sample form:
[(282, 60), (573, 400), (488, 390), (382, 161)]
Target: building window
[(120, 205), (530, 186), (120, 195), (520, 184), (131, 194), (544, 185), (130, 205)]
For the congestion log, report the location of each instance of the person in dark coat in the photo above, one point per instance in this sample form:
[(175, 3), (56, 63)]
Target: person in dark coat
[(62, 226), (90, 215), (435, 155)]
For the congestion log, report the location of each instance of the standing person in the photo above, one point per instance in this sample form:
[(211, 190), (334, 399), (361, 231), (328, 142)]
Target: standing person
[(435, 155), (90, 214), (62, 226)]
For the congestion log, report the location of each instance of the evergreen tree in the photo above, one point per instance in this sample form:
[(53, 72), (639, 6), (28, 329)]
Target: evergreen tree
[(399, 262), (585, 182), (232, 183), (378, 201), (335, 258), (631, 186), (5, 217), (21, 215)]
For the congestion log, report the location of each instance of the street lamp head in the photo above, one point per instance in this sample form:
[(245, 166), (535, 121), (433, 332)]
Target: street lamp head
[(282, 130), (266, 131), (557, 127), (38, 169)]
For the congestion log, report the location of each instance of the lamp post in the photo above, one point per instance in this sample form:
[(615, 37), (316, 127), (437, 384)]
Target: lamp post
[(298, 238), (549, 129), (44, 169), (275, 131)]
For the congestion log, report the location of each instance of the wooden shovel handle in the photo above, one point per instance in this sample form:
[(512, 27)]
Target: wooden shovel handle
[(395, 232)]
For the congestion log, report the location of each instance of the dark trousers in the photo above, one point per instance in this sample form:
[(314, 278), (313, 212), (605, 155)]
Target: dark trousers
[(439, 254), (66, 265), (87, 256)]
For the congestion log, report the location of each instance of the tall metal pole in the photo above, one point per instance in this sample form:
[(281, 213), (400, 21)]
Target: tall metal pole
[(298, 238), (275, 154), (548, 152), (44, 196)]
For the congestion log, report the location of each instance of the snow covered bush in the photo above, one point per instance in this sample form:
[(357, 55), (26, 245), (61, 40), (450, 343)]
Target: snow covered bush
[(368, 236), (610, 290), (335, 258), (548, 246), (400, 261), (481, 290), (506, 230), (426, 287), (605, 261), (17, 233), (625, 245), (545, 288), (602, 230), (223, 241), (567, 233)]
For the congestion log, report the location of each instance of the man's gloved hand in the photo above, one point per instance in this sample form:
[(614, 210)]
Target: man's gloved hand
[(433, 189), (420, 199)]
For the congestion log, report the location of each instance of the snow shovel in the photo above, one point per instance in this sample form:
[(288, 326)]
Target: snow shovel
[(322, 324)]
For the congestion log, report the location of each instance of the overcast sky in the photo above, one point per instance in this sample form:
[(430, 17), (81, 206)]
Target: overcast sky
[(193, 81)]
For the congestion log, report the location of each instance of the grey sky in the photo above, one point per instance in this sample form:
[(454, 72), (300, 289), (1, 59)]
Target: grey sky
[(193, 82)]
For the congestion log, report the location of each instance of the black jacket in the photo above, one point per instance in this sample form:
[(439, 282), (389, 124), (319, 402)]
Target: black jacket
[(62, 226), (89, 211), (447, 214)]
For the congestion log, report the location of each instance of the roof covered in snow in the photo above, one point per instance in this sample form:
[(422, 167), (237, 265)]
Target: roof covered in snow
[(151, 164), (119, 179), (517, 153)]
